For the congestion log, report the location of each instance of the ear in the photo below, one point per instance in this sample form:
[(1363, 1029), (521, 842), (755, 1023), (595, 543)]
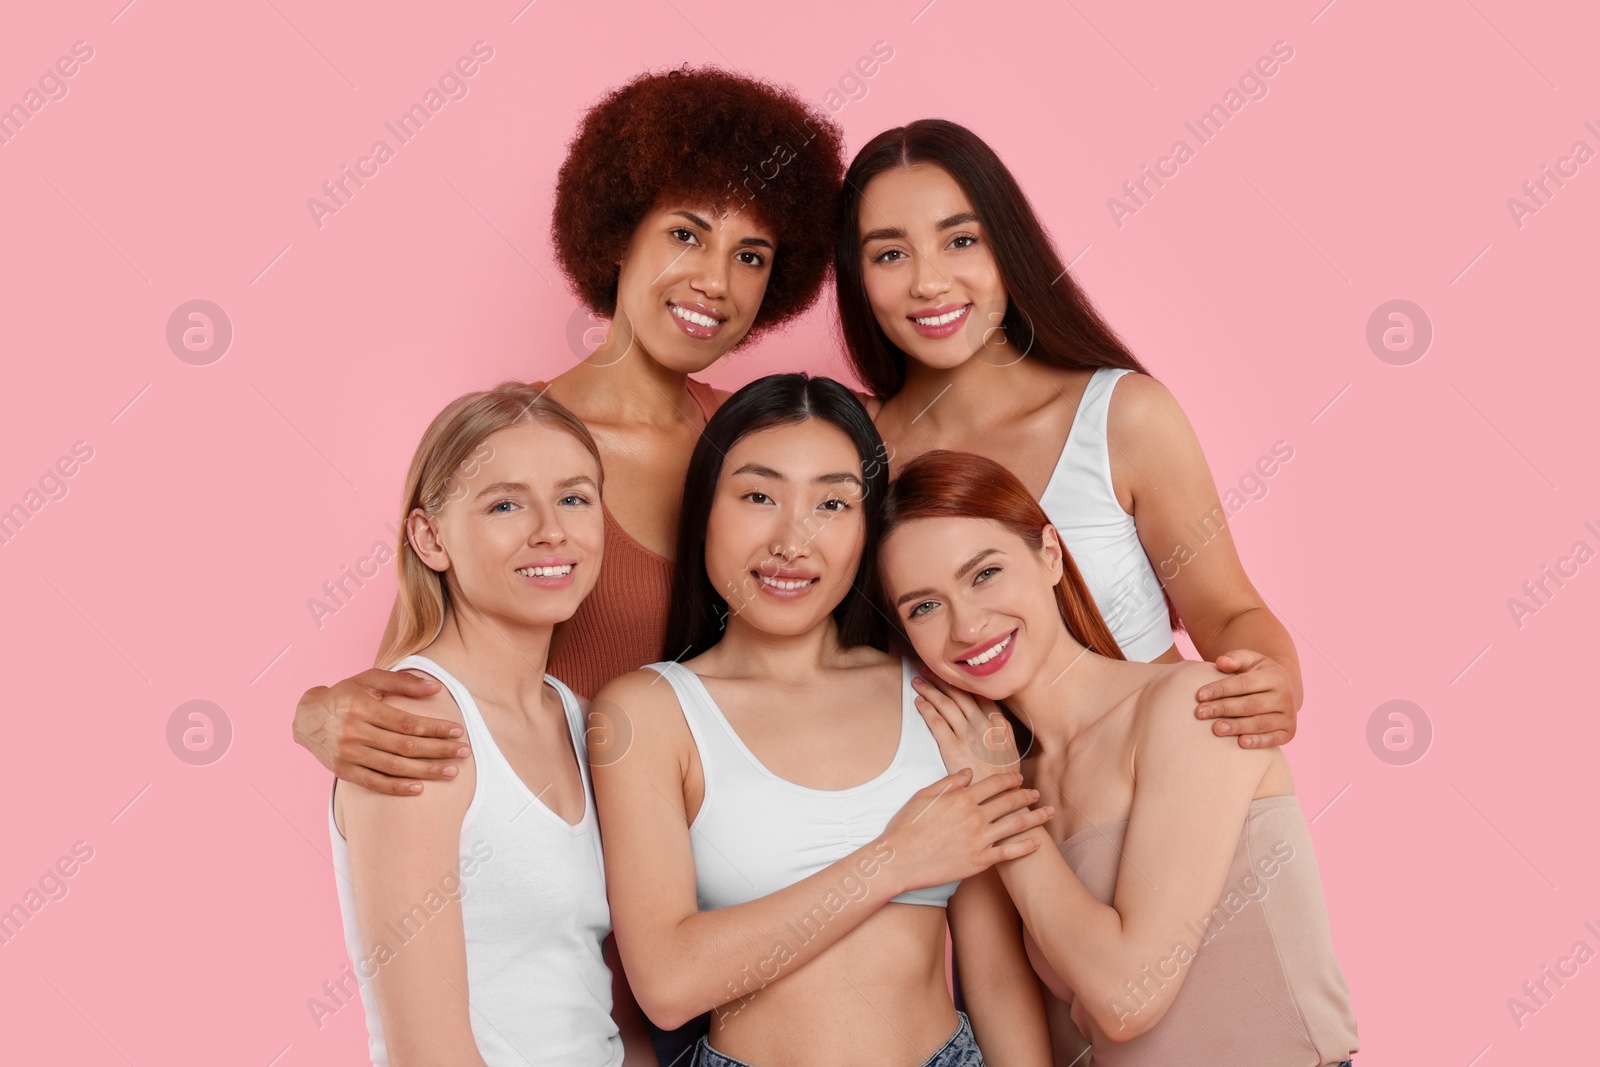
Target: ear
[(1053, 553), (422, 533)]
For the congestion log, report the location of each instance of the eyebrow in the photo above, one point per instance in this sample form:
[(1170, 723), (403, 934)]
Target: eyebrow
[(522, 487), (965, 569), (895, 233), (758, 242), (835, 478)]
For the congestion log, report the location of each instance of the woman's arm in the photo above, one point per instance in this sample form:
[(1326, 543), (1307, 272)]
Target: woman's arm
[(1002, 994), (682, 961), (1183, 528), (376, 745), (637, 1048), (1125, 962), (404, 852)]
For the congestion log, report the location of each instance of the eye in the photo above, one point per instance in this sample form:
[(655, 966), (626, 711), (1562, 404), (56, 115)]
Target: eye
[(918, 610), (955, 242), (751, 496), (580, 498), (499, 506), (981, 576), (842, 504), (684, 234), (756, 259), (883, 257)]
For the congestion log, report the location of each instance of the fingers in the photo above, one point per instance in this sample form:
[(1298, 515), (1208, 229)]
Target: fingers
[(388, 717), (1253, 724), (1021, 821), (1009, 801), (393, 766), (993, 785), (1235, 686), (953, 780), (1015, 848), (937, 725), (1261, 703), (939, 701), (1238, 660), (397, 683), (382, 783), (1270, 739)]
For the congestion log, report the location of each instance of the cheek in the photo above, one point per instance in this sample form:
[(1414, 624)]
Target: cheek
[(880, 289), (981, 276), (750, 288)]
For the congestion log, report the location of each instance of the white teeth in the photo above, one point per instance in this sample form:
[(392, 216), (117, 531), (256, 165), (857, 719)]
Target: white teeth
[(945, 319), (546, 572), (693, 316), (984, 657), (787, 586)]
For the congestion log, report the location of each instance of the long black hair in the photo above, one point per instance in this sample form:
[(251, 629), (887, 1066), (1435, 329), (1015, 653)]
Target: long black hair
[(1047, 315), (698, 613)]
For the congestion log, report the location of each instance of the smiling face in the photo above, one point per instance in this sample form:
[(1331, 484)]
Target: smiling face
[(786, 529), (933, 284), (521, 530), (691, 282), (976, 601)]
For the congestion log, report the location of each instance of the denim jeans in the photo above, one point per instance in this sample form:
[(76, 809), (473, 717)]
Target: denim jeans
[(960, 1051)]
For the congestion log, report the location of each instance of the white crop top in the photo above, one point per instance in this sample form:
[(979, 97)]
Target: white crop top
[(1102, 538), (533, 909), (757, 833)]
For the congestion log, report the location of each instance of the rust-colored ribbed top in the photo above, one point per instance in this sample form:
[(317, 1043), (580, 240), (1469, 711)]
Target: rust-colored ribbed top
[(622, 623)]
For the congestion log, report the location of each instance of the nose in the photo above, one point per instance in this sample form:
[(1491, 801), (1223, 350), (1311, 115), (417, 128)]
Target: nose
[(547, 528), (928, 280), (966, 625), (790, 541), (711, 275)]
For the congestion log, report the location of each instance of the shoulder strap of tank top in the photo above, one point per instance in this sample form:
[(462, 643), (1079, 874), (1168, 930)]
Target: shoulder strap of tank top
[(704, 396), (1087, 446), (452, 684), (713, 736)]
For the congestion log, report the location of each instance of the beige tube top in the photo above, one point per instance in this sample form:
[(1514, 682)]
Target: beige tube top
[(1264, 987)]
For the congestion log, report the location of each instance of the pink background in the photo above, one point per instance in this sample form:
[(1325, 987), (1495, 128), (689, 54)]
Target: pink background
[(219, 498)]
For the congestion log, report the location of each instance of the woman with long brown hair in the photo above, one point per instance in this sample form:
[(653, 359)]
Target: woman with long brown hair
[(961, 319), (1175, 907)]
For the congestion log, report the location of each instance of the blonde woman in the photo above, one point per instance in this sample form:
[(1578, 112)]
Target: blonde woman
[(476, 913)]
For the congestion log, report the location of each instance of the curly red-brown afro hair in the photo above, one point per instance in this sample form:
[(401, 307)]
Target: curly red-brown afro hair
[(706, 134)]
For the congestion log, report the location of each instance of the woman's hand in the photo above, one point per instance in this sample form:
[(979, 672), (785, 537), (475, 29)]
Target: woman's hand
[(957, 827), (973, 733), (1256, 703), (376, 745)]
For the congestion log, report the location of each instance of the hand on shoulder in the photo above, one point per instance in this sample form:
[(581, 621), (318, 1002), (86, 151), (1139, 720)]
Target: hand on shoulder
[(1166, 725)]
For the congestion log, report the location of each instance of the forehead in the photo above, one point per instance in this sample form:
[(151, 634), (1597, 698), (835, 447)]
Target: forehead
[(929, 550), (921, 192), (718, 215), (796, 450), (534, 448)]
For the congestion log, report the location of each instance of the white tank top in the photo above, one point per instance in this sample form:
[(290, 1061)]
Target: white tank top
[(533, 905), (757, 833), (1103, 539)]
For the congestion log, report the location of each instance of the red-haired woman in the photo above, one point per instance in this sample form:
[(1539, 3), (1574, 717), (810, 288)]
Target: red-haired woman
[(1177, 907)]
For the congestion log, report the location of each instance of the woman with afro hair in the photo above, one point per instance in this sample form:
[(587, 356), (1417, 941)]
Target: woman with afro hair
[(695, 211)]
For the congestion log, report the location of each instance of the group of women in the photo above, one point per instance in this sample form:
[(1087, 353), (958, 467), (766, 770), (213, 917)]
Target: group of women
[(900, 717)]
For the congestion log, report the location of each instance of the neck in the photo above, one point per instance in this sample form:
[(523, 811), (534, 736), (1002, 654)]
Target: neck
[(973, 393), (621, 382), (1067, 695), (501, 661), (788, 659)]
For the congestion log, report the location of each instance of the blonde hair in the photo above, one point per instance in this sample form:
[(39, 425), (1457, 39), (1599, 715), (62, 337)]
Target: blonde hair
[(448, 453)]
